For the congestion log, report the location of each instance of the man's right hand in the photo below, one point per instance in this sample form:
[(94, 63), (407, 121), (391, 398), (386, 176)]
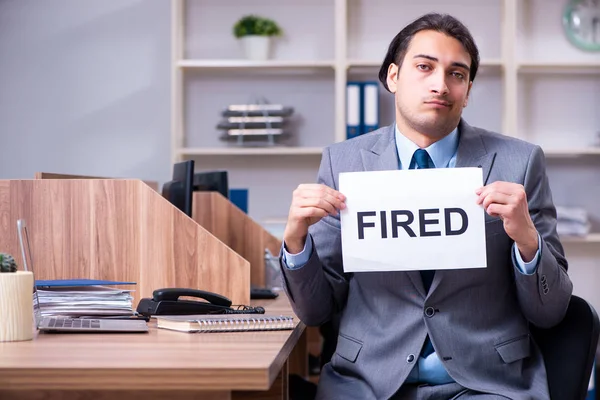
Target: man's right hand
[(310, 203)]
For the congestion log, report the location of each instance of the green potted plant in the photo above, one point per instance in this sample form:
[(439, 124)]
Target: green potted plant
[(255, 33), (7, 263), (16, 301)]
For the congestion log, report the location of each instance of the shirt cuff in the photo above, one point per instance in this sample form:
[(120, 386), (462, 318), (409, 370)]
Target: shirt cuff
[(527, 268), (296, 261)]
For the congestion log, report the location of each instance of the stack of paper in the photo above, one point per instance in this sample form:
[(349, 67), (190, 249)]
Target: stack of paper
[(76, 301), (572, 221)]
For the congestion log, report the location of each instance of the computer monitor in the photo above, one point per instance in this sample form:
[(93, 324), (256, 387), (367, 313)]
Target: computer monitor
[(212, 181), (179, 191)]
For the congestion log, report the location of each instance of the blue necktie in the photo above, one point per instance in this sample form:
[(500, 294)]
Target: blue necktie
[(422, 160)]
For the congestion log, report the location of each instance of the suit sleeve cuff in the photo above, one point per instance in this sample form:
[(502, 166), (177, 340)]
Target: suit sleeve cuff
[(527, 268), (296, 261)]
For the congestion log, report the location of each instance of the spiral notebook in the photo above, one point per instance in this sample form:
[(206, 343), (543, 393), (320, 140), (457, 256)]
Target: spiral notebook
[(224, 322)]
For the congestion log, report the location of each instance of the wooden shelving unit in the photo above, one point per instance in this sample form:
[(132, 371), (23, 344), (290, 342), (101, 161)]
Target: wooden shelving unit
[(522, 89)]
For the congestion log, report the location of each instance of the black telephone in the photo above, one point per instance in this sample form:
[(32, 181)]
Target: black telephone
[(166, 302)]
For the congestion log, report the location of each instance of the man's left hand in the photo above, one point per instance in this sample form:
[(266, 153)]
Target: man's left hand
[(509, 202)]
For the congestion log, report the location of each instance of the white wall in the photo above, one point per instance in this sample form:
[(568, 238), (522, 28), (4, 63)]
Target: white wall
[(84, 88)]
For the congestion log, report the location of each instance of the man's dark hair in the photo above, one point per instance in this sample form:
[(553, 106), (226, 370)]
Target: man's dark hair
[(442, 23)]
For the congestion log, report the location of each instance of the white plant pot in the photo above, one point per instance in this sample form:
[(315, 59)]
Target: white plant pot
[(256, 48)]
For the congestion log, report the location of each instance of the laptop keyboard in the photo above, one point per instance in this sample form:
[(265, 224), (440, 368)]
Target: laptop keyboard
[(73, 323)]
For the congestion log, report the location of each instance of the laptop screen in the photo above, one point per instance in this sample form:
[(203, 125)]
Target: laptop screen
[(28, 266)]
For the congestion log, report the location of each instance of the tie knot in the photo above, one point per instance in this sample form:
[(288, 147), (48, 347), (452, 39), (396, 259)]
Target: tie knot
[(422, 159)]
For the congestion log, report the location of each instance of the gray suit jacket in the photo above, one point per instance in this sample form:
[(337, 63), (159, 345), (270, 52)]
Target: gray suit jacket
[(480, 324)]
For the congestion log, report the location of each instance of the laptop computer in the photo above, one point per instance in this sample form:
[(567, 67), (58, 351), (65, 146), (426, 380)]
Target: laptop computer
[(69, 324)]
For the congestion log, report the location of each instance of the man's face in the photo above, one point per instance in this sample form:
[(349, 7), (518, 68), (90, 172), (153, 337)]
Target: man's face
[(432, 86)]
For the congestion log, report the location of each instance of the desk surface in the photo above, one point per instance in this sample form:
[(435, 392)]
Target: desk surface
[(159, 360)]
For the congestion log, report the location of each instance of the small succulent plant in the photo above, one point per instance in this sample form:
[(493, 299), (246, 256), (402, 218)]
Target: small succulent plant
[(7, 263), (256, 25)]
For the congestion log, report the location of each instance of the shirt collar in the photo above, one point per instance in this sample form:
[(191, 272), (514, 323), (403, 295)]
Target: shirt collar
[(441, 152)]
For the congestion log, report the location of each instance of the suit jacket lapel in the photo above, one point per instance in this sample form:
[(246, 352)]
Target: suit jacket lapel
[(471, 153), (383, 155)]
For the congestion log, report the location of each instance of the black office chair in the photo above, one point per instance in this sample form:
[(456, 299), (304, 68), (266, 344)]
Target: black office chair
[(569, 350)]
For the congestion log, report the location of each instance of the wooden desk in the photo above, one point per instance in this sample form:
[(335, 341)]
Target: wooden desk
[(160, 365)]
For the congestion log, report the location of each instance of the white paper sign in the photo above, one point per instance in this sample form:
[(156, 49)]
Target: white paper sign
[(412, 220)]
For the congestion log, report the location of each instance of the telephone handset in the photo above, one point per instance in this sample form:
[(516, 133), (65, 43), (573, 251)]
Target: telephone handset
[(166, 302), (173, 294)]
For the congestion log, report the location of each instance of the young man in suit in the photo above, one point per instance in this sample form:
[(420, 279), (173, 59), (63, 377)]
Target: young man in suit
[(457, 334)]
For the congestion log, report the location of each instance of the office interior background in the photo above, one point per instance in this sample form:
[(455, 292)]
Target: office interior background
[(125, 88)]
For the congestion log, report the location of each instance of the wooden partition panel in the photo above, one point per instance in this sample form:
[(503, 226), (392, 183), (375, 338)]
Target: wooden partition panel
[(237, 230), (119, 230), (51, 175)]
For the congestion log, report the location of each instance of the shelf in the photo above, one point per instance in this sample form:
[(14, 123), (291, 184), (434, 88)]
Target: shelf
[(233, 64), (572, 152), (591, 238), (592, 67), (251, 151), (208, 64), (364, 63), (377, 63)]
